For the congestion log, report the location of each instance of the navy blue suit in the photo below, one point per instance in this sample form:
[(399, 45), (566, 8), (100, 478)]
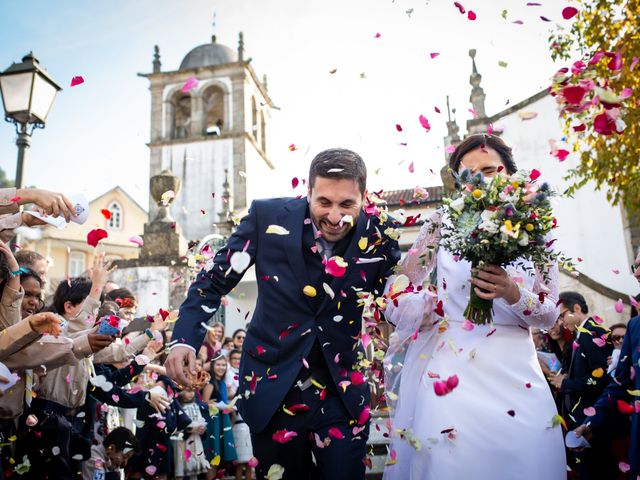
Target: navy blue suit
[(626, 378), (286, 322)]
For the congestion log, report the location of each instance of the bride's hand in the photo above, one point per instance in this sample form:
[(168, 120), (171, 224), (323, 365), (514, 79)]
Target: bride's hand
[(494, 282)]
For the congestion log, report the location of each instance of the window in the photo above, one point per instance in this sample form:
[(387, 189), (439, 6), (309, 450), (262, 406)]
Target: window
[(180, 106), (77, 264), (254, 118), (213, 101), (263, 132), (115, 222)]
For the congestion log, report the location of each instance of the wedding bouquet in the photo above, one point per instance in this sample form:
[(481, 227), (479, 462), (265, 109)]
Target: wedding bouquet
[(496, 221)]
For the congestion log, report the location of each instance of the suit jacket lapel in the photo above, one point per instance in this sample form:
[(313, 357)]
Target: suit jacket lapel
[(292, 218)]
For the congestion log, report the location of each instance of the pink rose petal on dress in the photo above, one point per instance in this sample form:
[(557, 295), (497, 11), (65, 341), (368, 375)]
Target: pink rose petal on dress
[(468, 325), (452, 382), (569, 12), (440, 388)]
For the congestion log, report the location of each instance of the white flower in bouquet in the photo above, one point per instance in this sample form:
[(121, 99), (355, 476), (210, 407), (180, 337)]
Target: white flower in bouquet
[(457, 204), (488, 224)]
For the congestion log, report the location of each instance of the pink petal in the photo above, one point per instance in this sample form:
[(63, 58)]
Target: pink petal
[(253, 462), (137, 239), (616, 61), (364, 415), (468, 325), (452, 382), (450, 149), (284, 436), (562, 154), (534, 174), (634, 62), (440, 388), (357, 378), (190, 84), (377, 35), (459, 6), (336, 433), (589, 411), (424, 122), (398, 127), (619, 306), (569, 12), (434, 54), (624, 467), (411, 168), (471, 15), (294, 182), (151, 470), (77, 80)]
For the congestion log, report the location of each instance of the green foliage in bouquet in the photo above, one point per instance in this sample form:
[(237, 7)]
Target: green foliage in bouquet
[(496, 221)]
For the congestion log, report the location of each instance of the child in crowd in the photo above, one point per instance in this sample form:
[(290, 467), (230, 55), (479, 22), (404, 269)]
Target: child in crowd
[(111, 456), (227, 346), (219, 441), (154, 434), (241, 433), (189, 457)]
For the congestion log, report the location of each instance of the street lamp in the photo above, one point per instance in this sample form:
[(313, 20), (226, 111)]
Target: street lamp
[(27, 95)]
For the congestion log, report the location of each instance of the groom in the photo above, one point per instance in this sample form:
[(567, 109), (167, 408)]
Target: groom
[(297, 392)]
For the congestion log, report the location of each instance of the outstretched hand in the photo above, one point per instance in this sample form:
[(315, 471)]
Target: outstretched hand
[(100, 270), (181, 360), (52, 203), (45, 323)]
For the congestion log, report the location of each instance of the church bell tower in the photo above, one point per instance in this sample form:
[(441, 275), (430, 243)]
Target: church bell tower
[(208, 117)]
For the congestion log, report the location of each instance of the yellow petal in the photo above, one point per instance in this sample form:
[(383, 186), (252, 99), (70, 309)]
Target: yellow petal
[(309, 291), (216, 461), (635, 393), (363, 242), (597, 373), (277, 230)]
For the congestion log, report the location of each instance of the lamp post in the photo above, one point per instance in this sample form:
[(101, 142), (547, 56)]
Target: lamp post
[(27, 95)]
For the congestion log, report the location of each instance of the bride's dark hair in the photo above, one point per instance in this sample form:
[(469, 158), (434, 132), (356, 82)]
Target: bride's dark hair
[(481, 140)]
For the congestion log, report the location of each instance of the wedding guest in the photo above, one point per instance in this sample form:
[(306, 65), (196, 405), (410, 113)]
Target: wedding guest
[(189, 457), (126, 300), (109, 287), (212, 344), (227, 346), (219, 439), (231, 378), (154, 432), (238, 338), (585, 380), (616, 400), (34, 261), (618, 331), (110, 457)]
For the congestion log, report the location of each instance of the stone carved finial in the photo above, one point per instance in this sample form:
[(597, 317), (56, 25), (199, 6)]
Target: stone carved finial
[(241, 47), (156, 59), (477, 93)]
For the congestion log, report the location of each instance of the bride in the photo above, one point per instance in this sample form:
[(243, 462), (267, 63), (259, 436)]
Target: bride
[(470, 401)]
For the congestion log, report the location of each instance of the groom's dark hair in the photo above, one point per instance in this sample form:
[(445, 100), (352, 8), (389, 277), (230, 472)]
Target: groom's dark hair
[(483, 140), (339, 163)]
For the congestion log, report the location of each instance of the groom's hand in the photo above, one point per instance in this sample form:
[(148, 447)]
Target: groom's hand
[(180, 360)]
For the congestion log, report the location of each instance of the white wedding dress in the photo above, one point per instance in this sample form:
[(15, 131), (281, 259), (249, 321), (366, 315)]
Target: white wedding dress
[(497, 423)]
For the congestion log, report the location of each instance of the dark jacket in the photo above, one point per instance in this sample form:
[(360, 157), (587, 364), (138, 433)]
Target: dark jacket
[(587, 372), (286, 323), (626, 379)]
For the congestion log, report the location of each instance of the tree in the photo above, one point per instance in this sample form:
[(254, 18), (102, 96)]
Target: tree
[(599, 96), (4, 181)]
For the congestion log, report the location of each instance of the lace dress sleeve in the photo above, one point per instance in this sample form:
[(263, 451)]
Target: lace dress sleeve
[(408, 311), (538, 308)]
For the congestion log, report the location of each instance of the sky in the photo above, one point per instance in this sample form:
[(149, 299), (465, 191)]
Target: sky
[(96, 133)]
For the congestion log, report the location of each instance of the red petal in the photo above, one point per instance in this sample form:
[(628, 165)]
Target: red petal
[(294, 182), (562, 154), (94, 236), (459, 7), (425, 123), (398, 127), (471, 15), (534, 174), (77, 80), (574, 94), (106, 213), (336, 433), (569, 12)]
